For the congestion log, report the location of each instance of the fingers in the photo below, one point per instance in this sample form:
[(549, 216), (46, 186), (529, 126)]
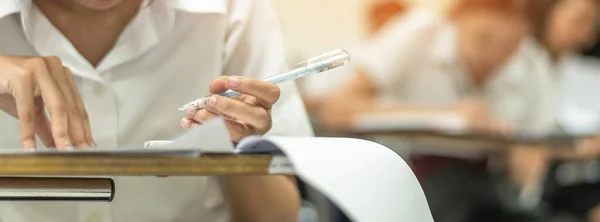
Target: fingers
[(79, 106), (266, 93), (55, 104), (490, 126), (23, 93), (42, 124), (256, 117), (237, 131), (76, 131)]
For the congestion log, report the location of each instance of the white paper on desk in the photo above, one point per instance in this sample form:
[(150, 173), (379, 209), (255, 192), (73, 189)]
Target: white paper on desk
[(367, 180), (369, 122), (212, 137)]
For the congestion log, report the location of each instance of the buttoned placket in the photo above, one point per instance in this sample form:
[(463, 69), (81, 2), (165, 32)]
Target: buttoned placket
[(101, 105)]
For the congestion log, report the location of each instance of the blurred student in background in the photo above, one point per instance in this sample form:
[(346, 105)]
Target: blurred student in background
[(431, 60), (317, 88), (569, 27), (432, 64)]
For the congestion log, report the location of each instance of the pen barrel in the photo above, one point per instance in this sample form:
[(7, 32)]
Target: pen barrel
[(230, 93), (56, 189), (313, 65), (318, 64)]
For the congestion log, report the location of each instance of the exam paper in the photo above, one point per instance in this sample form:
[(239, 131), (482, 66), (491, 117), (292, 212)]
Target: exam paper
[(368, 181), (578, 109), (210, 137), (451, 124)]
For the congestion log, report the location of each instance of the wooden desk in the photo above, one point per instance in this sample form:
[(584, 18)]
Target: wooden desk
[(132, 165), (66, 177), (475, 139)]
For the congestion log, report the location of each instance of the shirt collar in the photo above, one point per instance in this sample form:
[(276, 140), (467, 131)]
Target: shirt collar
[(446, 45), (154, 22), (202, 6), (445, 52), (8, 7)]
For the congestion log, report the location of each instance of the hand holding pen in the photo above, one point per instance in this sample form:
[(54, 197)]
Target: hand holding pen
[(246, 114), (245, 103)]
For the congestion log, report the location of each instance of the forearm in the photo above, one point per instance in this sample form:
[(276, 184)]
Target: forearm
[(340, 113), (527, 165), (262, 198)]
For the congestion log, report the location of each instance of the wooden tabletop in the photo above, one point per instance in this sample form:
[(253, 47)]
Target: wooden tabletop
[(132, 165)]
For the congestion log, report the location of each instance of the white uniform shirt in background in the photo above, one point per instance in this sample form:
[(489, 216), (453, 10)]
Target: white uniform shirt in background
[(415, 60), (164, 58), (563, 91), (535, 77)]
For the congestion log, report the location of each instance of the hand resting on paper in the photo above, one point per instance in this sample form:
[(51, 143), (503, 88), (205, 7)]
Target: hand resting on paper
[(29, 86), (245, 115), (479, 118), (341, 113)]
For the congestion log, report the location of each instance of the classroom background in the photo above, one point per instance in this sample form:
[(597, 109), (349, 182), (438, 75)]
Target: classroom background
[(569, 189)]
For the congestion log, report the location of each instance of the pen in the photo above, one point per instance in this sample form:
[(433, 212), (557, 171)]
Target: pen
[(318, 64)]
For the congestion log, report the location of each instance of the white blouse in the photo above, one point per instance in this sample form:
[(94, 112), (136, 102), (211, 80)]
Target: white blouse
[(165, 57), (415, 60)]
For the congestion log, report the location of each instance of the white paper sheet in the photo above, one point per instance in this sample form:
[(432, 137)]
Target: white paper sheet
[(368, 181), (212, 137), (578, 108), (451, 124)]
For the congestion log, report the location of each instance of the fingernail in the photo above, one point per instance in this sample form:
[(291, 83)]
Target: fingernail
[(67, 145), (212, 101), (191, 111), (66, 148), (29, 145), (185, 123), (94, 145), (233, 82)]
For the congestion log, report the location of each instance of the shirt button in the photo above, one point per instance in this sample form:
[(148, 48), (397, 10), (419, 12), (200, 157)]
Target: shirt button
[(99, 89), (94, 218)]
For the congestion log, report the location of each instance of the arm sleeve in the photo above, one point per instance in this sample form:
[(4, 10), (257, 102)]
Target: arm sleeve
[(255, 47), (388, 56), (522, 94)]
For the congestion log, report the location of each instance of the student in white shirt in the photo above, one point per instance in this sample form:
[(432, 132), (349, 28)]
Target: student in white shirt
[(569, 27), (316, 89), (427, 60), (428, 63), (126, 65)]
